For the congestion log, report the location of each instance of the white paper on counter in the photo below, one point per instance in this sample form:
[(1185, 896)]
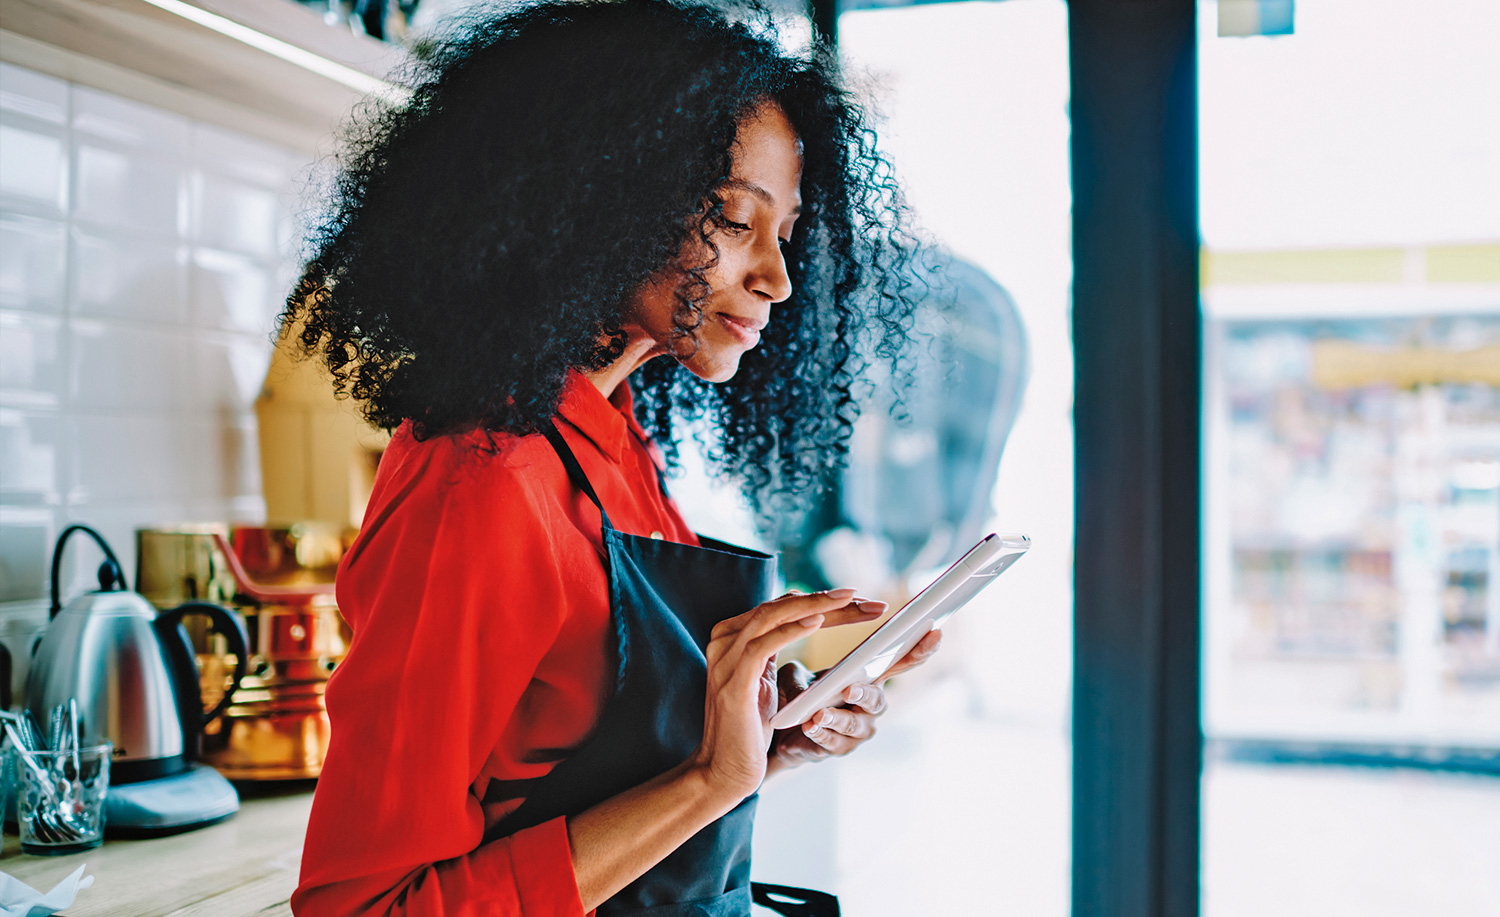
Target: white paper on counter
[(17, 899)]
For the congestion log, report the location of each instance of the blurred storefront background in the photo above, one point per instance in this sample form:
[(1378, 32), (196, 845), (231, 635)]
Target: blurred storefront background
[(1350, 213), (1352, 291)]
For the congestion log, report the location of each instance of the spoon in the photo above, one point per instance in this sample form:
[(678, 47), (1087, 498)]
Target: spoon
[(54, 821)]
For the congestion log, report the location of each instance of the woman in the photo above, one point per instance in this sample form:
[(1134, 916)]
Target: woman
[(557, 695)]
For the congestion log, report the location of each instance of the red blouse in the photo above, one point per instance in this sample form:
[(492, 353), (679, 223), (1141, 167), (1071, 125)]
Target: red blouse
[(480, 609)]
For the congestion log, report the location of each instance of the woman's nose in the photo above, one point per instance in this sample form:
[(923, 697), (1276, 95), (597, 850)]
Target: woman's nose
[(768, 275)]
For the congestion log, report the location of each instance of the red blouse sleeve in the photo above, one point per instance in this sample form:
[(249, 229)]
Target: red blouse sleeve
[(455, 593)]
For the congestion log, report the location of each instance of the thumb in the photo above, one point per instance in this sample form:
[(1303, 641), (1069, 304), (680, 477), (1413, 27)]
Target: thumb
[(792, 679)]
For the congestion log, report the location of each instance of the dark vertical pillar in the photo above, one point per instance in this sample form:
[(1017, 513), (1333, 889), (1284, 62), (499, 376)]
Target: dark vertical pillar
[(825, 22), (1137, 744)]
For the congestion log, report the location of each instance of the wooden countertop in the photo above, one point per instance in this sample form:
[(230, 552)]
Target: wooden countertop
[(246, 865)]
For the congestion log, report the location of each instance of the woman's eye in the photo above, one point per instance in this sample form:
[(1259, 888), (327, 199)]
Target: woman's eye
[(734, 227)]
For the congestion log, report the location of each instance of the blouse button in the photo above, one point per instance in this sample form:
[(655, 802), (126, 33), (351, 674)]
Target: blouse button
[(656, 535)]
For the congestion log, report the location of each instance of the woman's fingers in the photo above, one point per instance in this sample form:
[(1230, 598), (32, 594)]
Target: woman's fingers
[(841, 605), (781, 609), (839, 731), (832, 730), (852, 723), (918, 654), (869, 698), (769, 644), (857, 611)]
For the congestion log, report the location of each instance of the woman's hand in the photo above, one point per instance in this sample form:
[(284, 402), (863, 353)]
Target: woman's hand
[(616, 841), (837, 730), (742, 691)]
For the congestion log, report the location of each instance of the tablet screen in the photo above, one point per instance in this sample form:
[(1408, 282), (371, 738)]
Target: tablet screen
[(956, 599), (925, 612)]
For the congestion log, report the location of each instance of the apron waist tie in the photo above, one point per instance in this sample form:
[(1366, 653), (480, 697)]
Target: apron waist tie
[(794, 902)]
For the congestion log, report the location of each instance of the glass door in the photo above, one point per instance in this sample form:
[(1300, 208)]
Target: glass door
[(972, 767)]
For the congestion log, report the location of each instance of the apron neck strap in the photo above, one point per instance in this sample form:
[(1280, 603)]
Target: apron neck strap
[(575, 470)]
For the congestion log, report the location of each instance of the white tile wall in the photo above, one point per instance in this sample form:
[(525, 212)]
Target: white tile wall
[(118, 367), (31, 360), (26, 535), (245, 158), (33, 94), (230, 291), (236, 216), (228, 370), (123, 276), (129, 123), (127, 189), (135, 459), (33, 262), (143, 259), (33, 165), (29, 443)]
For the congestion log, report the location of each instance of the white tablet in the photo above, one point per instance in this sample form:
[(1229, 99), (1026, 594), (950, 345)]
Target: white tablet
[(905, 629)]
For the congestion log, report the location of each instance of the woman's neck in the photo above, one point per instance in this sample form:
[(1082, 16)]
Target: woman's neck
[(640, 348)]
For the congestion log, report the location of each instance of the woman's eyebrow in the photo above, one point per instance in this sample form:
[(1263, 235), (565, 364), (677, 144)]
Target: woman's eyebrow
[(739, 184)]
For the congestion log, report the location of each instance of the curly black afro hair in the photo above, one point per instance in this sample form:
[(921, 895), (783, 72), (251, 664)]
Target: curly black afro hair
[(487, 234)]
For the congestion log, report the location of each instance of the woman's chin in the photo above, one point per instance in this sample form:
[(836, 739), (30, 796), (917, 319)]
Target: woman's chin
[(717, 367)]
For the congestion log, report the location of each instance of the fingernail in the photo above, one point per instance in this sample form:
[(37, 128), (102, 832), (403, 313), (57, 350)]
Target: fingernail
[(812, 730), (841, 593), (812, 621), (856, 695), (823, 718)]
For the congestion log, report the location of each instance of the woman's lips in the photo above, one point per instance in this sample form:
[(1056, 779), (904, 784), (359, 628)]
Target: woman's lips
[(744, 330)]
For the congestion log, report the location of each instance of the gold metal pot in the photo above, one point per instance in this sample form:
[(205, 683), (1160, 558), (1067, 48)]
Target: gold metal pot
[(275, 729), (281, 580)]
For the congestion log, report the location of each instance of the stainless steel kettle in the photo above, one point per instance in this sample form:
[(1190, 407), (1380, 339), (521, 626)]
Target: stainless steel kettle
[(131, 669)]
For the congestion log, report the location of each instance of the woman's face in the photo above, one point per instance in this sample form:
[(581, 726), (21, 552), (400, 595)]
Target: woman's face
[(761, 201)]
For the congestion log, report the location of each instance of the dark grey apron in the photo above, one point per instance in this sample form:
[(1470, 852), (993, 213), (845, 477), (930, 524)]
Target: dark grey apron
[(665, 599)]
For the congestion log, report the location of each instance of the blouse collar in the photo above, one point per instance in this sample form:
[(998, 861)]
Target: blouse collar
[(605, 421)]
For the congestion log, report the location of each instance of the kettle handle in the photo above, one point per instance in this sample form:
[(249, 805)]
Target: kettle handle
[(112, 564), (179, 654)]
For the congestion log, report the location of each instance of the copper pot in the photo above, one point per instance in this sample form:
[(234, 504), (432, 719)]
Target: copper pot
[(281, 580)]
